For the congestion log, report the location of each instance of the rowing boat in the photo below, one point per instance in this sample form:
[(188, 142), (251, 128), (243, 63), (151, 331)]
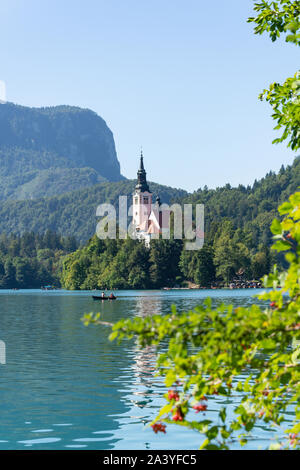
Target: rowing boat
[(98, 297)]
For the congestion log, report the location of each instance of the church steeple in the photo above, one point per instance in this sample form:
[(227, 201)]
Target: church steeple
[(142, 184), (142, 162)]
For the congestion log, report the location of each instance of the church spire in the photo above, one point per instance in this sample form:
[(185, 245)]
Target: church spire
[(142, 162), (142, 184)]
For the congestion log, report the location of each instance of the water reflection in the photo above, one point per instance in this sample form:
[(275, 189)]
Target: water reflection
[(146, 306)]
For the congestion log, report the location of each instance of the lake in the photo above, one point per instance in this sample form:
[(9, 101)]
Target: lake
[(65, 386)]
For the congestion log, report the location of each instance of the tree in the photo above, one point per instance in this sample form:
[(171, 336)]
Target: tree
[(230, 253), (260, 263), (164, 259), (205, 271), (9, 278), (198, 266), (277, 18), (254, 351)]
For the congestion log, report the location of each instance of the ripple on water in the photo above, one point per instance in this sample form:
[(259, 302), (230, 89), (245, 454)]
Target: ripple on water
[(43, 430), (89, 439), (76, 446), (42, 440), (63, 424)]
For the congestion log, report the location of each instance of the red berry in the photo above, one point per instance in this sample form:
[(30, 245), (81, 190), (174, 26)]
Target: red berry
[(178, 416), (173, 395), (200, 408), (159, 427)]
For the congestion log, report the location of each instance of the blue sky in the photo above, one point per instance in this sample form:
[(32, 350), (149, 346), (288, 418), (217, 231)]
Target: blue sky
[(179, 77)]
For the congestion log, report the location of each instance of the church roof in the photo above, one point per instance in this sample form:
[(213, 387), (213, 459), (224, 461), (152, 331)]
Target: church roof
[(142, 184)]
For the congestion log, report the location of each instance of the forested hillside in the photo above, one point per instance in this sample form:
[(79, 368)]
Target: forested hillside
[(250, 208), (72, 213)]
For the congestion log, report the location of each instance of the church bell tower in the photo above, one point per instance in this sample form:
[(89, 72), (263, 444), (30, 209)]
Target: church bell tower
[(142, 201)]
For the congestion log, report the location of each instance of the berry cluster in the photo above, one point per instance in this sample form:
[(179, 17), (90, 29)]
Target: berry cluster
[(178, 415), (293, 438), (159, 427), (200, 407), (173, 395)]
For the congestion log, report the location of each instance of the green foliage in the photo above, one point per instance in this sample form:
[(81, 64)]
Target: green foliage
[(251, 353), (73, 213), (32, 260), (198, 266), (122, 264), (251, 209), (128, 264), (248, 208), (285, 101), (276, 18)]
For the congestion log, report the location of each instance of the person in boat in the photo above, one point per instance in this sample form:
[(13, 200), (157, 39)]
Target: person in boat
[(111, 296), (103, 295)]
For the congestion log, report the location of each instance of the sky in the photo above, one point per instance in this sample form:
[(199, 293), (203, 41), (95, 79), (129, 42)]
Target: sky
[(179, 78)]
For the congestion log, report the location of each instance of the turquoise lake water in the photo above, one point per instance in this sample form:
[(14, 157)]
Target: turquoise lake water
[(65, 386)]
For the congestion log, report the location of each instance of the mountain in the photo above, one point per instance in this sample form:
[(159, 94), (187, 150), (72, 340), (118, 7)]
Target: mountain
[(53, 150), (73, 213)]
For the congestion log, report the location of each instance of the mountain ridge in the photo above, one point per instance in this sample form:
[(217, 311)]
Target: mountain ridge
[(52, 138)]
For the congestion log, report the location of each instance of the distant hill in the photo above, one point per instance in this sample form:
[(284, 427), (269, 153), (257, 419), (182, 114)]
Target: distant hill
[(250, 208), (73, 213), (49, 151)]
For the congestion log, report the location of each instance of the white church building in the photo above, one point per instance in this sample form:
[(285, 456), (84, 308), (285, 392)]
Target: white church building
[(149, 219)]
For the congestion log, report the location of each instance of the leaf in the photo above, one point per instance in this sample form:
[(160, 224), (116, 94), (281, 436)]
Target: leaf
[(222, 414), (285, 208), (212, 433), (281, 245), (170, 378), (276, 227)]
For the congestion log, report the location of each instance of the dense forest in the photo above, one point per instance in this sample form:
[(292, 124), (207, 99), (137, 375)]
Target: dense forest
[(32, 260), (237, 238), (128, 264), (250, 208), (72, 213)]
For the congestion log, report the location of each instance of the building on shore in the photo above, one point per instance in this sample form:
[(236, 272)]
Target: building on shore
[(150, 220)]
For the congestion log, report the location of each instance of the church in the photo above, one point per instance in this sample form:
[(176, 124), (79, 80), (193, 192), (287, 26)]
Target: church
[(150, 220)]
